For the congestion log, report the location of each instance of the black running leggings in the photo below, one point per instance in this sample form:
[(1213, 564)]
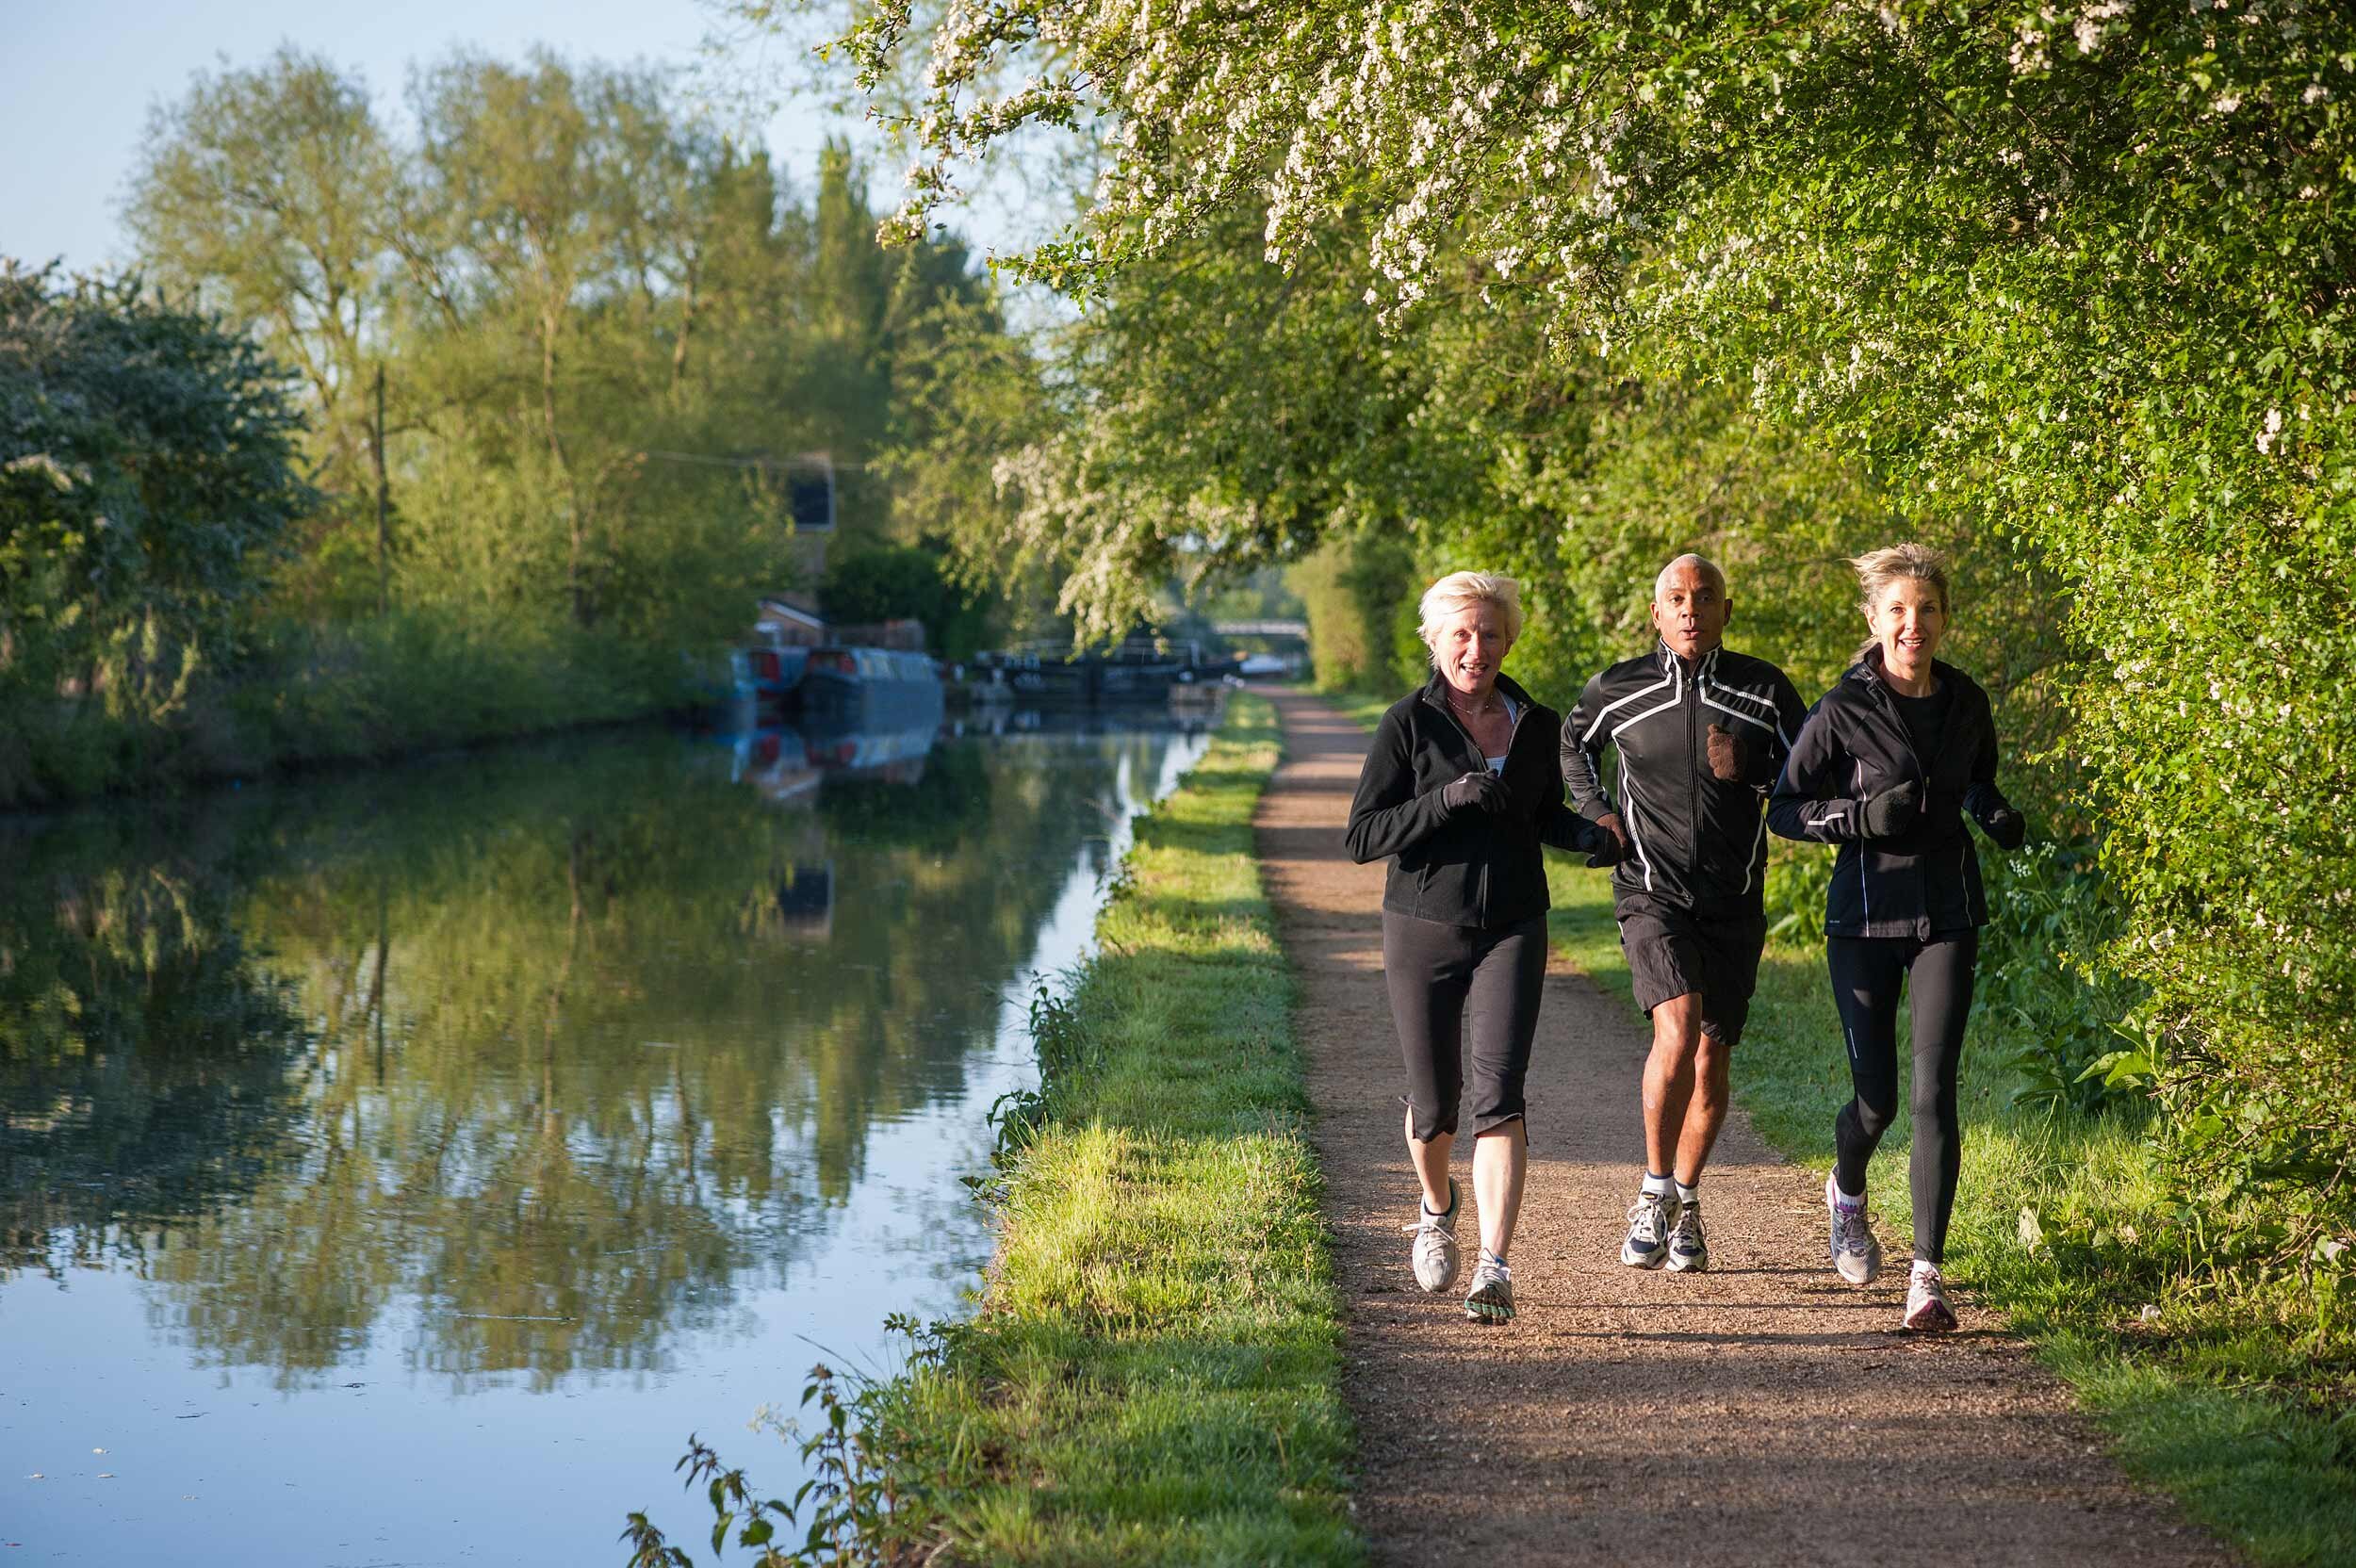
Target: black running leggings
[(1448, 982), (1867, 973)]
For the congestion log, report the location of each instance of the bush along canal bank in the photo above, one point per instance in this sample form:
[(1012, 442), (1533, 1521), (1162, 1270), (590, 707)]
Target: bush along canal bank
[(1153, 1374)]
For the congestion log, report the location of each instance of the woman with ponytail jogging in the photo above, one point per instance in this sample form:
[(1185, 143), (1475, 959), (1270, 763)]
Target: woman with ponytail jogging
[(1888, 766)]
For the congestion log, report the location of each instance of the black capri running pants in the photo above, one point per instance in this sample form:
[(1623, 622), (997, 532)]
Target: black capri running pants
[(1867, 973), (1449, 983)]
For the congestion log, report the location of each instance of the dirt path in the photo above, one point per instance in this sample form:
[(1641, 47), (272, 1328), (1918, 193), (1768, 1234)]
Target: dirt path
[(1764, 1413)]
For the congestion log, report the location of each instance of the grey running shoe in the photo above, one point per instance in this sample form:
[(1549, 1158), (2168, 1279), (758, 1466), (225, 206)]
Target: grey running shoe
[(1855, 1252), (1491, 1300), (1650, 1220), (1433, 1252), (1689, 1249), (1928, 1311)]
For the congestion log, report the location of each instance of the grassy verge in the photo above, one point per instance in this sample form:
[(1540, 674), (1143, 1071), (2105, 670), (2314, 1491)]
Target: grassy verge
[(1153, 1376), (2196, 1390), (1366, 708)]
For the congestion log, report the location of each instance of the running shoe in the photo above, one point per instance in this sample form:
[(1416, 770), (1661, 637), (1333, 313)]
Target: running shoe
[(1650, 1220), (1855, 1252), (1689, 1249), (1491, 1299), (1928, 1311), (1433, 1252)]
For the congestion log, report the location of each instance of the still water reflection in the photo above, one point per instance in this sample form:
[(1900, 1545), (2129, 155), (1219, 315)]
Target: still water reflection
[(395, 1170)]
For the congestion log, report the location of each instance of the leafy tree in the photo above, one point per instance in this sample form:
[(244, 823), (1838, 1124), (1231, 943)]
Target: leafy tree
[(264, 193), (148, 471), (608, 329), (911, 582), (2066, 283)]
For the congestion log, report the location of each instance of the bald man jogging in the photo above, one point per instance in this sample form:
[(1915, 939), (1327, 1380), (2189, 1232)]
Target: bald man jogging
[(1701, 733)]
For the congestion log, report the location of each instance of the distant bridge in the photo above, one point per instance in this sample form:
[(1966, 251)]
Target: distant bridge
[(1262, 629)]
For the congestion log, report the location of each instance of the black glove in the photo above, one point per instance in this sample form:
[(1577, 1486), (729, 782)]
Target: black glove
[(1891, 812), (1475, 789), (1602, 846), (2005, 827), (1730, 759)]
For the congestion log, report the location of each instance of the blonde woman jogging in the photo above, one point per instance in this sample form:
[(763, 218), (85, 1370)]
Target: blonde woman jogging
[(1888, 766), (1460, 789)]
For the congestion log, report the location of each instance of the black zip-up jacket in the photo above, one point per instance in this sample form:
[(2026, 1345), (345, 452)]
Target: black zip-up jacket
[(1695, 840), (1925, 881), (1470, 867)]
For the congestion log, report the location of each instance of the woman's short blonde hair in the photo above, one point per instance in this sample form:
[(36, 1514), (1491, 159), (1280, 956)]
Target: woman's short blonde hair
[(1878, 569), (1461, 590)]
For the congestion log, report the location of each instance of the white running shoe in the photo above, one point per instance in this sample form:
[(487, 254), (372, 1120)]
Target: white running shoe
[(1928, 1311), (1688, 1250), (1491, 1300), (1650, 1220), (1855, 1252), (1433, 1252)]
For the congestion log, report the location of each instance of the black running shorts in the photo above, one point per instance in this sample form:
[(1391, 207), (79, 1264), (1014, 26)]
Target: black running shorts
[(1457, 990), (1673, 953)]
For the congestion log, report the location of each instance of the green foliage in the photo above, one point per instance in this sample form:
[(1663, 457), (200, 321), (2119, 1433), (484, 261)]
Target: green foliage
[(608, 334), (147, 475), (269, 192), (851, 1497), (913, 581), (2065, 287)]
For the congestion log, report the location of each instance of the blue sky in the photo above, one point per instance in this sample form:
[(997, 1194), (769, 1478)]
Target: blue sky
[(81, 75)]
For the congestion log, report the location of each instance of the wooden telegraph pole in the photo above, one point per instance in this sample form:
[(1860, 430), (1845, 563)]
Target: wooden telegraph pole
[(384, 570)]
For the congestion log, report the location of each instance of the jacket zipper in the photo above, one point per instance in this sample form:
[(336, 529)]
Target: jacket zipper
[(1480, 764), (1886, 702), (1693, 778), (1472, 748)]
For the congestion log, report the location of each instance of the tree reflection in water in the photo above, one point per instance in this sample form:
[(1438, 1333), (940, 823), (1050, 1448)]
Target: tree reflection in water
[(557, 1048)]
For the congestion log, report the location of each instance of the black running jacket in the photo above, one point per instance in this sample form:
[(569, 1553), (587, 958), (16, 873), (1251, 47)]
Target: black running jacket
[(1695, 841), (1469, 867), (1925, 881)]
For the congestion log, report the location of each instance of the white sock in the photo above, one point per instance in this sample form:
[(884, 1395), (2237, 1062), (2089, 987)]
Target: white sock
[(1689, 1195), (1498, 1259), (1658, 1186), (1846, 1200)]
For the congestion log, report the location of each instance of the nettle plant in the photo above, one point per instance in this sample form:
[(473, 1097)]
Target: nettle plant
[(2072, 276)]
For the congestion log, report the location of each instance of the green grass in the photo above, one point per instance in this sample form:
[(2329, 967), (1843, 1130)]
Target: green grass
[(2212, 1399), (1366, 708), (1152, 1376)]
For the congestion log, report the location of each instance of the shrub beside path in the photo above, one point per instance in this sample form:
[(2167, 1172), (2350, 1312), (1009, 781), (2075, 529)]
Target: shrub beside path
[(1764, 1413)]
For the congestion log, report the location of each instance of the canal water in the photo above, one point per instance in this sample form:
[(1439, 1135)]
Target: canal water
[(396, 1169)]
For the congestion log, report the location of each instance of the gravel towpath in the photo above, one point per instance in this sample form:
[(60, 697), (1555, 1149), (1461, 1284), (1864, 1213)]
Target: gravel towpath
[(1762, 1413)]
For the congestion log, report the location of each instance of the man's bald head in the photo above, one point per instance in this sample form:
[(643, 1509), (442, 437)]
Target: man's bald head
[(1690, 605), (1687, 564)]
